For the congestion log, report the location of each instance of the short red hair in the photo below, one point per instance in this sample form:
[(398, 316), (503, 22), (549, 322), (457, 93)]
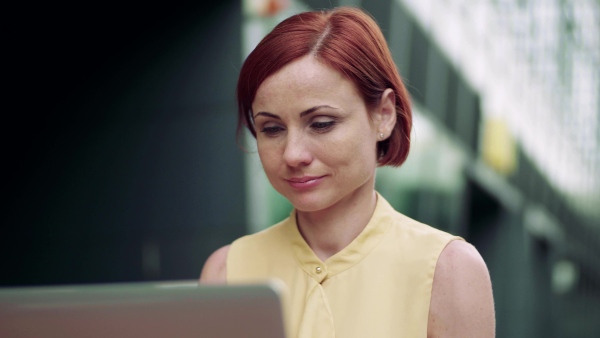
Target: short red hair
[(346, 39)]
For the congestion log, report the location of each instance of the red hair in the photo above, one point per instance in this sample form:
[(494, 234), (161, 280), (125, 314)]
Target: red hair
[(346, 39)]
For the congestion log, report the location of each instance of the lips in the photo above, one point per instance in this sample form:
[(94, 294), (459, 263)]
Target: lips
[(305, 182)]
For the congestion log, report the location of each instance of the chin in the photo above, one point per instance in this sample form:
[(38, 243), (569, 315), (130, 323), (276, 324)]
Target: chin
[(310, 202)]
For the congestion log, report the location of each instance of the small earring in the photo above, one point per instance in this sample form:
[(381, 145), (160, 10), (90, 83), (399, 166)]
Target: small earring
[(381, 136)]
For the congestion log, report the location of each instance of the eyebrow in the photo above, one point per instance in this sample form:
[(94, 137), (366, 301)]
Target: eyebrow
[(302, 114)]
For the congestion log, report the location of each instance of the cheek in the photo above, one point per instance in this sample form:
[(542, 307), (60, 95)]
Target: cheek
[(351, 148), (268, 156)]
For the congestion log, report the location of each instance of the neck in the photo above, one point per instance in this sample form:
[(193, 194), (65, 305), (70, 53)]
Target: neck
[(330, 230)]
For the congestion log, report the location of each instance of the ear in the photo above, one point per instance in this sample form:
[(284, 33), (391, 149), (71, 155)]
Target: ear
[(385, 115)]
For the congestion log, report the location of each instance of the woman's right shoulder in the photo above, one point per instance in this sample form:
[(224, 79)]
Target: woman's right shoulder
[(215, 267), (263, 242)]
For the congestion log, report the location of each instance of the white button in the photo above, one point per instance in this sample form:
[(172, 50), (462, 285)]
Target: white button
[(319, 269)]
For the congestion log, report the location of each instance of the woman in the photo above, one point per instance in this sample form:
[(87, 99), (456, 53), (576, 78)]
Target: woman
[(325, 102)]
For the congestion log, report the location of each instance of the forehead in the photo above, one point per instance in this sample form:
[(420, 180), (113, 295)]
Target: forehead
[(305, 81)]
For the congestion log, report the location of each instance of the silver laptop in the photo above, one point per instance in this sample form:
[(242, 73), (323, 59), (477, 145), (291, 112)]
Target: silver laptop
[(171, 309)]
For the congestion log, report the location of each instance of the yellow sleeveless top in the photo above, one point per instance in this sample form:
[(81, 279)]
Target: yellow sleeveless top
[(377, 286)]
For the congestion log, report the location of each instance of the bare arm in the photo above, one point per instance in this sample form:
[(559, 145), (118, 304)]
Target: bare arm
[(462, 303), (215, 268)]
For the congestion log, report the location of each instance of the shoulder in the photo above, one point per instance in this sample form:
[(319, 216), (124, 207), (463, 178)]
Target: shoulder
[(410, 227), (215, 267), (266, 238), (425, 241), (459, 254), (255, 245), (461, 298)]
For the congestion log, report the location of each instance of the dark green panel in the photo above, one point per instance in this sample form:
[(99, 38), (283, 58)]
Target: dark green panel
[(451, 98), (399, 41), (380, 10), (130, 153), (321, 4), (468, 115), (419, 51), (437, 82)]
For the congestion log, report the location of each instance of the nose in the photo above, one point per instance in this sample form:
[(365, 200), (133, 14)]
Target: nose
[(297, 152)]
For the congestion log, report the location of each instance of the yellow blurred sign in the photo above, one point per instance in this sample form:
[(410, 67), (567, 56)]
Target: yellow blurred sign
[(499, 149)]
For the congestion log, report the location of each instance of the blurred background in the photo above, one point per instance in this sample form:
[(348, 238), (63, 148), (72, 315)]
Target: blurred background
[(122, 164)]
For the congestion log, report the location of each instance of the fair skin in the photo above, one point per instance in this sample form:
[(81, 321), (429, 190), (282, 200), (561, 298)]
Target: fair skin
[(317, 139)]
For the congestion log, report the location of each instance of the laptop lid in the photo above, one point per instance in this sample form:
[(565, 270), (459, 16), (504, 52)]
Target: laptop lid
[(171, 309)]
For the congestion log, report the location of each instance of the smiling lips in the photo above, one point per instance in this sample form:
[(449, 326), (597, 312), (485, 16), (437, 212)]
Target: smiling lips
[(305, 182)]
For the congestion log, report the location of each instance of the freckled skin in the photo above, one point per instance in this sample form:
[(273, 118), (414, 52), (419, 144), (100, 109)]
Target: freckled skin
[(344, 155)]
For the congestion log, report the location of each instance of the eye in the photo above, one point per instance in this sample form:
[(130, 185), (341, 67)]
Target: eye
[(272, 130), (322, 126)]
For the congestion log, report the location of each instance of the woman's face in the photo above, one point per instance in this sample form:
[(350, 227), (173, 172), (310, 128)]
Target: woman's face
[(315, 139)]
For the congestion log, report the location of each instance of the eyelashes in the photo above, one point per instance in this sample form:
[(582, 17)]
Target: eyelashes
[(271, 130), (322, 127), (317, 126)]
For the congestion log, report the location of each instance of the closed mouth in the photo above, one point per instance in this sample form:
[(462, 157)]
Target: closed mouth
[(304, 179)]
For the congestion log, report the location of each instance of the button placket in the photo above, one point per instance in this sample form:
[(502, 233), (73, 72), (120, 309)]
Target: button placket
[(319, 273)]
